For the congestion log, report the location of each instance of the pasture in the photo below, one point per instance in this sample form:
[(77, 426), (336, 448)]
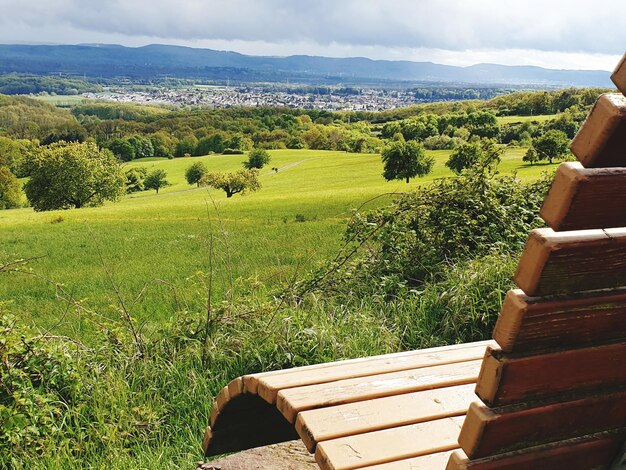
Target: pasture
[(157, 246)]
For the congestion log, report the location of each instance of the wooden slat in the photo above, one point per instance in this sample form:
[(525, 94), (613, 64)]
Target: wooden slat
[(268, 385), (436, 461), (323, 424), (294, 400), (601, 141), (489, 431), (592, 452), (534, 323), (505, 379), (586, 198), (568, 262), (619, 75), (389, 445)]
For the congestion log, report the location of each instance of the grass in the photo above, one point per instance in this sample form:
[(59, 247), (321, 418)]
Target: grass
[(150, 412), (516, 119), (149, 240), (60, 100)]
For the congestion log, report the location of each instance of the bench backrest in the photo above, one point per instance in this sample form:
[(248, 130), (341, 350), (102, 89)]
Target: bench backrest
[(553, 392)]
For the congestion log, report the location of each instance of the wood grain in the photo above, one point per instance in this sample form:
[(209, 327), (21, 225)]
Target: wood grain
[(506, 379), (601, 141), (292, 401), (619, 75), (585, 198), (268, 385), (490, 431), (595, 452), (389, 445), (436, 461), (568, 262), (529, 324), (323, 424)]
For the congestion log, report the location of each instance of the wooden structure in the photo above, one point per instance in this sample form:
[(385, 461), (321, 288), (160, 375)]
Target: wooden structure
[(548, 393)]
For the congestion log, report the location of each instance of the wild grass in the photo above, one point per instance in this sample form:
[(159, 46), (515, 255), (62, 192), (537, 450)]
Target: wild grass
[(157, 241)]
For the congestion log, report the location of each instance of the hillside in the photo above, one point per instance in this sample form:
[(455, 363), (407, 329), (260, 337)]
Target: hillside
[(153, 61)]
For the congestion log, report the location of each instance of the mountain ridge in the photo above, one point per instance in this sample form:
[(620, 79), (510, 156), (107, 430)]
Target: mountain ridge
[(160, 60)]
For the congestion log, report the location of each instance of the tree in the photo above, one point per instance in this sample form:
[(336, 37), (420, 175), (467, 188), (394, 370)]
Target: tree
[(483, 153), (553, 144), (135, 179), (239, 181), (156, 179), (122, 149), (257, 158), (9, 189), (142, 145), (405, 160), (65, 175), (195, 172)]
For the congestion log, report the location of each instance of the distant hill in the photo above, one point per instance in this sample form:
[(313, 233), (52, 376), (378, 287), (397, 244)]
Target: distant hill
[(158, 61)]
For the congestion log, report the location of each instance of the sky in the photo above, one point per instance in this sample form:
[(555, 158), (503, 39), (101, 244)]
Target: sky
[(570, 34)]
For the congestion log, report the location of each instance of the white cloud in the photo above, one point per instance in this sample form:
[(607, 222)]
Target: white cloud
[(451, 31)]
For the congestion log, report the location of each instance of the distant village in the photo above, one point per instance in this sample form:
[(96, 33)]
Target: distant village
[(366, 99)]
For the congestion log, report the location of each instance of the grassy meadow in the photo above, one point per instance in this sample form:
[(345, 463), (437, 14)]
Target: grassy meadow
[(152, 242)]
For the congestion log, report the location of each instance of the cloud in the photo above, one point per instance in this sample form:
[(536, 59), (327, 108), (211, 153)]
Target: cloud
[(560, 26)]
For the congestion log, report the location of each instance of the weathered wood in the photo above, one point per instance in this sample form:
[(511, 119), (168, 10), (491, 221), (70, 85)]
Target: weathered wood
[(568, 262), (506, 379), (619, 75), (591, 452), (436, 461), (245, 422), (601, 141), (586, 198), (323, 424), (389, 445), (527, 324), (491, 431), (294, 400), (269, 384)]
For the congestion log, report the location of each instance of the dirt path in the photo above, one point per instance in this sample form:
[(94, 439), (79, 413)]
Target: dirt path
[(287, 167), (286, 456)]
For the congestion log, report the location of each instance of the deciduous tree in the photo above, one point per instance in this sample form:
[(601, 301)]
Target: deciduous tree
[(195, 172), (405, 160), (64, 175), (484, 154), (257, 158), (9, 189), (156, 179), (239, 181)]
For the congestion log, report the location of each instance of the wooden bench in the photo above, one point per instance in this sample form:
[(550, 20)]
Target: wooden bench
[(549, 392)]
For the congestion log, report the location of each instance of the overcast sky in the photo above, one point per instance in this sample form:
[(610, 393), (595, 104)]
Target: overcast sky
[(550, 33)]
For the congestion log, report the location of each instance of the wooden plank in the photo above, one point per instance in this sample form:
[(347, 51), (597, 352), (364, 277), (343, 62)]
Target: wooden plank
[(389, 445), (619, 75), (591, 452), (491, 431), (601, 141), (568, 262), (323, 424), (291, 401), (534, 323), (436, 461), (268, 385), (585, 198), (506, 379), (251, 381)]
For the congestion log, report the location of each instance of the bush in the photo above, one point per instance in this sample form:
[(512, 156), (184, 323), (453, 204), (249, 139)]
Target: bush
[(232, 152)]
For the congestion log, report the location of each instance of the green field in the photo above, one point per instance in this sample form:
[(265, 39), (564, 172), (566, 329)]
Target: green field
[(60, 100), (292, 223), (516, 119)]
